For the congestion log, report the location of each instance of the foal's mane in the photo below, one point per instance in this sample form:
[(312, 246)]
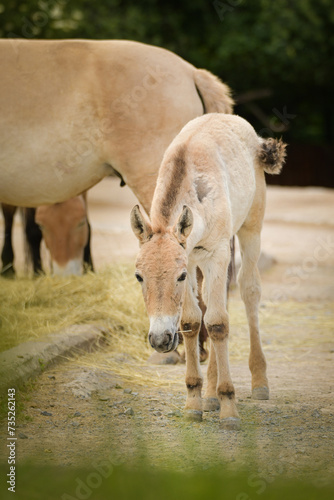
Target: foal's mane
[(174, 171)]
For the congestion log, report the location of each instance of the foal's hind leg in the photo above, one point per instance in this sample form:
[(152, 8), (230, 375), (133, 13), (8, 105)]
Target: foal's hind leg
[(250, 288)]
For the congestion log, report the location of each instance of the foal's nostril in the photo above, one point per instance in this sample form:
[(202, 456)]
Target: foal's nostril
[(150, 339), (167, 339)]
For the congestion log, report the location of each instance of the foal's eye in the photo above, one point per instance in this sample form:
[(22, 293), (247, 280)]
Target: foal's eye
[(182, 277), (139, 278)]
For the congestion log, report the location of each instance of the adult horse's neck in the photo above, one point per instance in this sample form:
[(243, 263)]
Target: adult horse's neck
[(173, 184)]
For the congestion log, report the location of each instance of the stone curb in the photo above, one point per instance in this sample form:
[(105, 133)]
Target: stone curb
[(19, 364)]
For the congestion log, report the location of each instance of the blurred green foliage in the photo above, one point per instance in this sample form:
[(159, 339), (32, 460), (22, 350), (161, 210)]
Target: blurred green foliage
[(121, 483), (282, 51)]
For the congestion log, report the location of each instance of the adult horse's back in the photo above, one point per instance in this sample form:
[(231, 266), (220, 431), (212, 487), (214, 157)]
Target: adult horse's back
[(75, 111)]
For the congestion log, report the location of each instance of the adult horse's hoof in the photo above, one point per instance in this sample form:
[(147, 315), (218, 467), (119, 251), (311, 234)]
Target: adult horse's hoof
[(230, 424), (211, 404), (260, 393), (193, 415)]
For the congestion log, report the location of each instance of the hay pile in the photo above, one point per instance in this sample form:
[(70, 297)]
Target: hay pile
[(30, 309)]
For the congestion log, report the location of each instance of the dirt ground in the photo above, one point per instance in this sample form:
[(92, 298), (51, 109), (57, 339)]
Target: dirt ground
[(79, 411)]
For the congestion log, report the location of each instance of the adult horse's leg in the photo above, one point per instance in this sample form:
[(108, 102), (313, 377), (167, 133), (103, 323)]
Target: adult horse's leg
[(250, 288), (33, 237), (87, 258), (7, 254), (190, 324), (217, 323)]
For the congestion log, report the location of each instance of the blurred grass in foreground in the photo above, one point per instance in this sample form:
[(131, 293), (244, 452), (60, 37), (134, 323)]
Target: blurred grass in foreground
[(33, 483)]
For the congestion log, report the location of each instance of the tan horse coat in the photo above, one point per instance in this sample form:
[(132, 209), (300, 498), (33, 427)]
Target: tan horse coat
[(65, 231), (211, 186), (74, 111)]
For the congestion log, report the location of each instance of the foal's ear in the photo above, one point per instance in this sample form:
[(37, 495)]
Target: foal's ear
[(140, 226), (184, 225)]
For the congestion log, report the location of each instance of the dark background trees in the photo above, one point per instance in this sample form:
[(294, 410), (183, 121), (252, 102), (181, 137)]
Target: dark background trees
[(278, 57)]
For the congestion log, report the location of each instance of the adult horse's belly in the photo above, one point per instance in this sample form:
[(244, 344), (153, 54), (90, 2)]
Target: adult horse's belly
[(30, 184), (39, 164), (71, 111)]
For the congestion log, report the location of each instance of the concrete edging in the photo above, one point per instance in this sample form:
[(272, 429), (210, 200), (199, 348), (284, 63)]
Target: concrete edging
[(19, 364)]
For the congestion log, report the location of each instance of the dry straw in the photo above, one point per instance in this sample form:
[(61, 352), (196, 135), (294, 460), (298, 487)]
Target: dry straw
[(30, 309)]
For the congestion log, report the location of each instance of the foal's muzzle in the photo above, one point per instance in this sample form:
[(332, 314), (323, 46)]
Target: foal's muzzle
[(163, 335), (165, 342)]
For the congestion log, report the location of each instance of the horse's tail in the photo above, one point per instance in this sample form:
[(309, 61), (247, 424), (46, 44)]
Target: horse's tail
[(271, 155), (214, 94)]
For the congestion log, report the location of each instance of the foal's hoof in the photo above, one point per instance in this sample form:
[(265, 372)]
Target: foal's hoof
[(260, 393), (211, 404), (193, 415), (230, 424)]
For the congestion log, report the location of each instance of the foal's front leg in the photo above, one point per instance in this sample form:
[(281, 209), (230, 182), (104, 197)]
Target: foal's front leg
[(190, 326), (217, 324), (211, 402)]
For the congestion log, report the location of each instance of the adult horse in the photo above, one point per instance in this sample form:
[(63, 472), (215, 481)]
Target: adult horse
[(74, 111)]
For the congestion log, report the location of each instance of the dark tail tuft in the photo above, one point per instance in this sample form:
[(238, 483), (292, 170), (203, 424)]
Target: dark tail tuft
[(272, 155)]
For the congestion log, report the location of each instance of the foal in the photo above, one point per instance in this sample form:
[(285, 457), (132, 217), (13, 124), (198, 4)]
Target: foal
[(211, 186)]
